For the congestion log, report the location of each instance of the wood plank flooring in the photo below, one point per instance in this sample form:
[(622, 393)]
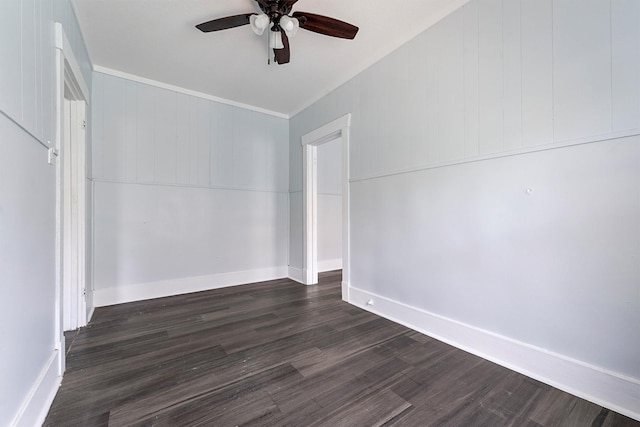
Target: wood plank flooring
[(282, 354)]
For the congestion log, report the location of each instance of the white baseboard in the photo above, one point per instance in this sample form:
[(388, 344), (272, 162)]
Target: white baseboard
[(329, 265), (299, 275), (296, 274), (61, 348), (90, 315), (165, 288), (608, 389), (35, 406)]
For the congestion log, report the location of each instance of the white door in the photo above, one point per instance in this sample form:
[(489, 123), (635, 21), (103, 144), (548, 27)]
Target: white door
[(72, 156)]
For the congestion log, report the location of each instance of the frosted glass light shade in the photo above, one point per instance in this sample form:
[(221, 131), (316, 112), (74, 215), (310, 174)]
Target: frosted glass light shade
[(289, 25), (259, 23), (275, 40)]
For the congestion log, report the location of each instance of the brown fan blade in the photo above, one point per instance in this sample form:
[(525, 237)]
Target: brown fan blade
[(283, 56), (225, 23), (325, 25), (290, 3)]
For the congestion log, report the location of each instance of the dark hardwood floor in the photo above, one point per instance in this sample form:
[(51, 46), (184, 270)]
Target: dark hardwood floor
[(282, 354)]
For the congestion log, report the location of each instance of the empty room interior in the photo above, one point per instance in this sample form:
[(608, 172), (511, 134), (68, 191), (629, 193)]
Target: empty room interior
[(281, 212)]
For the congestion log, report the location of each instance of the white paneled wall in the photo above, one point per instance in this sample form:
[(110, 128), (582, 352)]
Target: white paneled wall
[(27, 62), (11, 66), (582, 41), (537, 105), (190, 194), (26, 79), (29, 366), (146, 134), (448, 134), (625, 66), (495, 77)]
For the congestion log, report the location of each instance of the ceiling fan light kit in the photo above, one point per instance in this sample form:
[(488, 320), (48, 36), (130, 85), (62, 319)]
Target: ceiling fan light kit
[(276, 17)]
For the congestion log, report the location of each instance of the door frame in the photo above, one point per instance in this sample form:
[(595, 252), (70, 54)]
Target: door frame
[(71, 105), (339, 128)]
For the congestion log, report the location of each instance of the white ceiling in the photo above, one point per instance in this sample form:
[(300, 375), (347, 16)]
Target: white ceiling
[(157, 40)]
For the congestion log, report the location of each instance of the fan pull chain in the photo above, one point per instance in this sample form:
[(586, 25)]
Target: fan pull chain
[(268, 52)]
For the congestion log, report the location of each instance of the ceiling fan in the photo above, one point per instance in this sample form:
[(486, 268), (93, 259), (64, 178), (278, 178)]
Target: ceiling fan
[(276, 15)]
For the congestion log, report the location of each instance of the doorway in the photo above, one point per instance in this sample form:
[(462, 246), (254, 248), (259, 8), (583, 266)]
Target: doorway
[(336, 130), (72, 98), (329, 206)]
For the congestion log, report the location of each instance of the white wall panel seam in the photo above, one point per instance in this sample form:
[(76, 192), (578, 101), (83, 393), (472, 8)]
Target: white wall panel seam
[(209, 143), (465, 129), (521, 81), (611, 117), (131, 151), (22, 66), (155, 135), (504, 79), (38, 75), (478, 73), (553, 72), (176, 140)]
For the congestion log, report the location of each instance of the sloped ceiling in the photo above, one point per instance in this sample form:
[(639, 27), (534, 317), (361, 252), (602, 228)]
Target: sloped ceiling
[(157, 40)]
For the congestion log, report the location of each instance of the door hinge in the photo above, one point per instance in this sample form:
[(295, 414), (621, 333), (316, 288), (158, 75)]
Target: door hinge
[(84, 124), (84, 292)]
